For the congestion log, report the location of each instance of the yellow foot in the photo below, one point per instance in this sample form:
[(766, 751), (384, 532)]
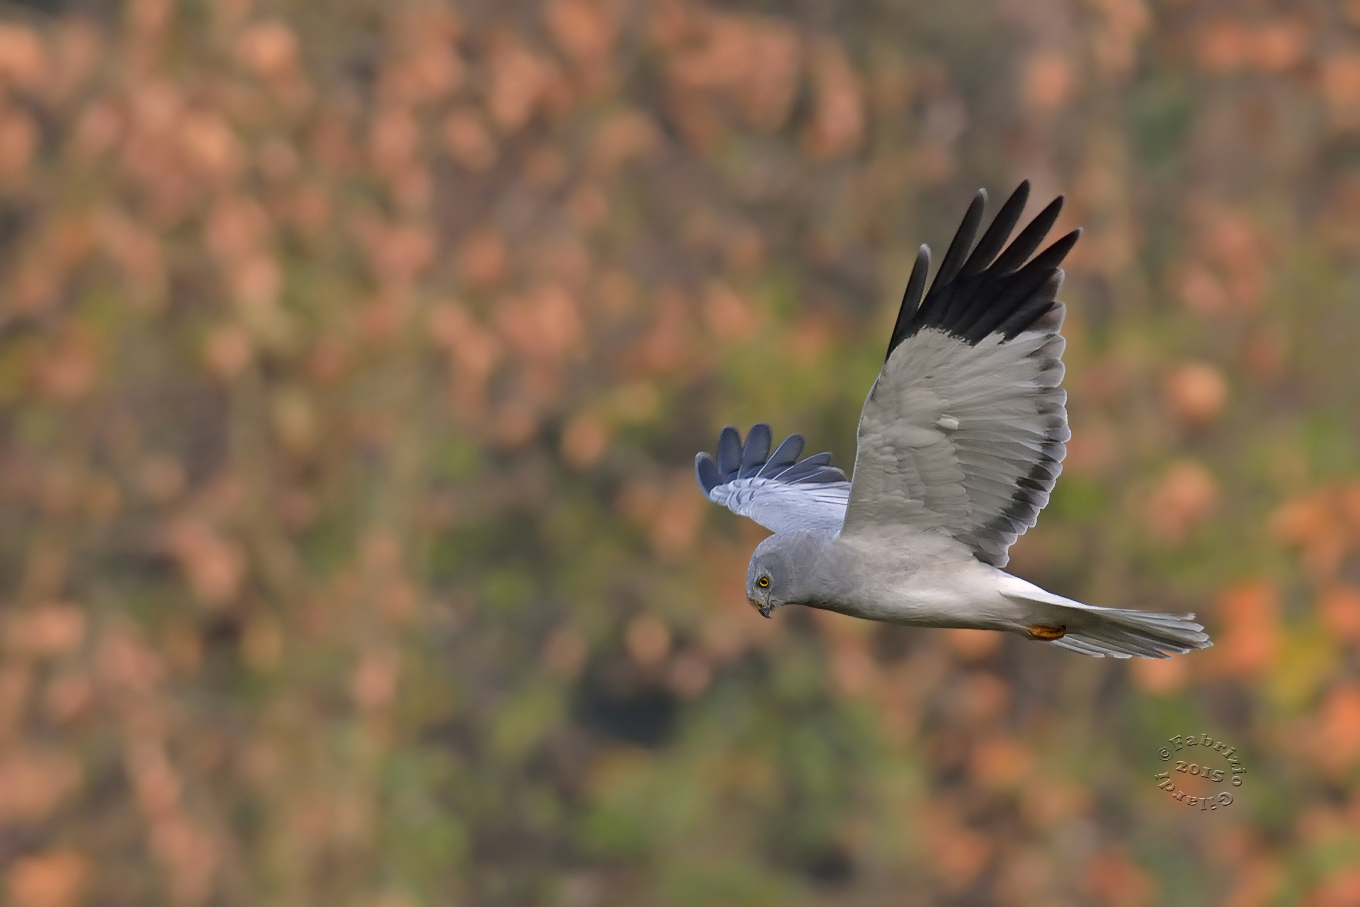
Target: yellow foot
[(1047, 634)]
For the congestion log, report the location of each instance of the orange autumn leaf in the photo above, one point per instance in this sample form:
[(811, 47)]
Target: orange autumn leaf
[(1184, 497), (1337, 746), (729, 317), (676, 521), (1047, 83), (1339, 608), (751, 60), (1227, 46), (468, 141), (34, 782), (48, 630), (1161, 676), (584, 440), (584, 28), (622, 137), (18, 144), (483, 258), (838, 119), (971, 645), (957, 855), (1248, 613), (374, 681), (23, 58), (1340, 80), (1001, 763), (1114, 878), (1339, 889), (69, 367), (519, 82), (51, 879), (214, 564), (269, 49), (546, 324), (1298, 521), (648, 640), (1195, 392)]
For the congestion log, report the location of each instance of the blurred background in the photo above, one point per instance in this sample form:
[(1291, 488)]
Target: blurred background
[(354, 356)]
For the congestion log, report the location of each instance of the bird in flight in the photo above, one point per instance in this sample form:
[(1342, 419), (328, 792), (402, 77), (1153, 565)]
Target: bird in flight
[(959, 445)]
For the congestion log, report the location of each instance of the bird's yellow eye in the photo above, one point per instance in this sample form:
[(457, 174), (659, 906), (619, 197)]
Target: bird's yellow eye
[(763, 582)]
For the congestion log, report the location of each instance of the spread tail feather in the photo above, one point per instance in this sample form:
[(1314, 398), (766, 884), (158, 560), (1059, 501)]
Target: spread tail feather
[(1116, 632)]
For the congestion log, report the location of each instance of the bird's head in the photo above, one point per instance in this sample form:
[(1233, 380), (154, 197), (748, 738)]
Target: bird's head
[(772, 577), (760, 588)]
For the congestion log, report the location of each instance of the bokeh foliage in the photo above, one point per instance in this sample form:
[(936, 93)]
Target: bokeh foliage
[(353, 357)]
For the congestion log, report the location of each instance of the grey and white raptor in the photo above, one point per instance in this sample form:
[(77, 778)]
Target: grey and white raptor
[(959, 445)]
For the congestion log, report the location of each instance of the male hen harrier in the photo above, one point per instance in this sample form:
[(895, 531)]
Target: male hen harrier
[(960, 443)]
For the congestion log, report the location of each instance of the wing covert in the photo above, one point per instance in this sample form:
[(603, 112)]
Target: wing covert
[(963, 431)]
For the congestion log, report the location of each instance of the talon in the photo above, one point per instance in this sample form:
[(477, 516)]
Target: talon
[(1047, 634)]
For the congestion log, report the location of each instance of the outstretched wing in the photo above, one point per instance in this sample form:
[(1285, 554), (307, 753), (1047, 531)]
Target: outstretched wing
[(775, 489), (963, 431)]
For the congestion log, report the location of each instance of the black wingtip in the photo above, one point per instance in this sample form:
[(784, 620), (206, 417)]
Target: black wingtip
[(785, 455), (994, 240), (980, 288), (756, 450), (911, 298), (1019, 251), (707, 472), (962, 242), (753, 459), (729, 450)]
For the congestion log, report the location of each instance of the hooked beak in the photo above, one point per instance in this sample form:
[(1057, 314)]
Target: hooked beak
[(764, 610)]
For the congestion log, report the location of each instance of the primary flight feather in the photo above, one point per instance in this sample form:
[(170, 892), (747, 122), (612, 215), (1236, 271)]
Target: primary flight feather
[(960, 443)]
